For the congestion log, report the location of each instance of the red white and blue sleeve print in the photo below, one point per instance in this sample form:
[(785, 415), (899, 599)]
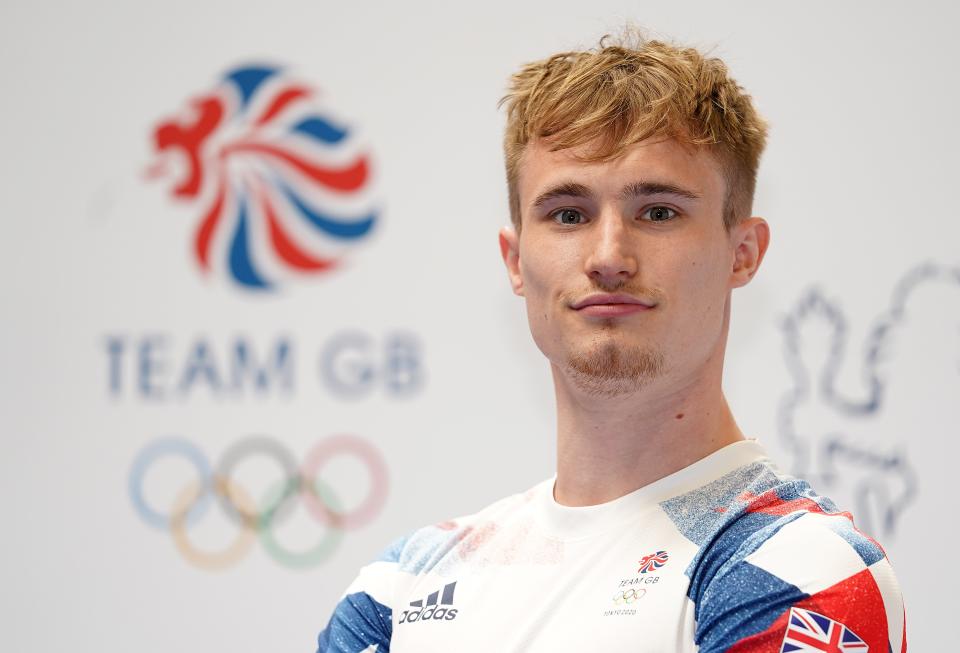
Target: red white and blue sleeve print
[(362, 622), (781, 570)]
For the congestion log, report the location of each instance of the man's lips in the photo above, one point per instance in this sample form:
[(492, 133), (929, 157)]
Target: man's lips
[(611, 305)]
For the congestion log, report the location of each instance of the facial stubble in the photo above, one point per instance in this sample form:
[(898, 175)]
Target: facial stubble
[(609, 369)]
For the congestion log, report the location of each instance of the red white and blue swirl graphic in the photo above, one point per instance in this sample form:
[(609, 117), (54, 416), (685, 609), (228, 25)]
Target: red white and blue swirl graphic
[(284, 187), (653, 562)]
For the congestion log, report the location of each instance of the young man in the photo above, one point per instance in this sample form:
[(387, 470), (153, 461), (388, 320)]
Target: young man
[(631, 172)]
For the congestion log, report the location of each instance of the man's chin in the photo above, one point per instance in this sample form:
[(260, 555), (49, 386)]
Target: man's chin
[(610, 370)]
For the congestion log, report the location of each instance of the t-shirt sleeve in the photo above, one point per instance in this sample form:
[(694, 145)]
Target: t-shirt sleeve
[(811, 583), (363, 619)]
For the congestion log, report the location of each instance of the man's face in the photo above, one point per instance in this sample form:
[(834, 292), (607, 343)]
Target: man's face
[(626, 265)]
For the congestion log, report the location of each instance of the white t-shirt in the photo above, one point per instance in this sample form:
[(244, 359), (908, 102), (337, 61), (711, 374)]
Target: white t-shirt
[(727, 554)]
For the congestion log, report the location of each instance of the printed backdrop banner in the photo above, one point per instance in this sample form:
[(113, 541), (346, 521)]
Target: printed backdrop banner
[(256, 326)]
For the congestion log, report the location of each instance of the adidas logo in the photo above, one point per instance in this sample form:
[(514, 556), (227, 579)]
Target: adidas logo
[(431, 611)]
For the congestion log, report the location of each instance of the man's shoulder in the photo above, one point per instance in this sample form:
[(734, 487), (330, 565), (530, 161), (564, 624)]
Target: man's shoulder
[(429, 546), (364, 616), (758, 514), (737, 510), (787, 533), (777, 512), (775, 547)]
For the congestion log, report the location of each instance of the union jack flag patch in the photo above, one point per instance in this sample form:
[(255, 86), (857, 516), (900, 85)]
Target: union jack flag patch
[(809, 631)]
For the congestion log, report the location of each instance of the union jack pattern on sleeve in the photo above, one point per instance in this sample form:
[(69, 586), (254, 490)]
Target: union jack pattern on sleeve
[(777, 553)]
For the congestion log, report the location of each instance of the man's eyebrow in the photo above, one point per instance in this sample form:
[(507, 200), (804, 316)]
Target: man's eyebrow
[(656, 188), (566, 189)]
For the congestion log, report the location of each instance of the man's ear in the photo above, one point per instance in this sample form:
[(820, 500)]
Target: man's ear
[(510, 251), (750, 239)]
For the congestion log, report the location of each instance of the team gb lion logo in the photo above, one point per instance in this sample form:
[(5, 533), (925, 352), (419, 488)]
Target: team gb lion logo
[(282, 187)]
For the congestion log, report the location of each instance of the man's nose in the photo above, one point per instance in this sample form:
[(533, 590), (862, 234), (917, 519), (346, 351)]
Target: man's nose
[(612, 259)]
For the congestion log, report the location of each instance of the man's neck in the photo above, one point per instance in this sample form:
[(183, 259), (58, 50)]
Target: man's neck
[(610, 446)]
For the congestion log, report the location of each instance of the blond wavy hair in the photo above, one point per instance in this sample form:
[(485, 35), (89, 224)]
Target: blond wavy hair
[(621, 93)]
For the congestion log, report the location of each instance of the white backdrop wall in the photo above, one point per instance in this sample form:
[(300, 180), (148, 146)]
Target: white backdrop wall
[(844, 355)]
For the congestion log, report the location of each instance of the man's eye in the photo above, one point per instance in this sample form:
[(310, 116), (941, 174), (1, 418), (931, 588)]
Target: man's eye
[(660, 213), (568, 216)]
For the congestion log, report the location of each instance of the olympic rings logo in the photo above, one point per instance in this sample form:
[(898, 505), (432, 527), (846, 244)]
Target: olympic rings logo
[(629, 596), (257, 518)]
